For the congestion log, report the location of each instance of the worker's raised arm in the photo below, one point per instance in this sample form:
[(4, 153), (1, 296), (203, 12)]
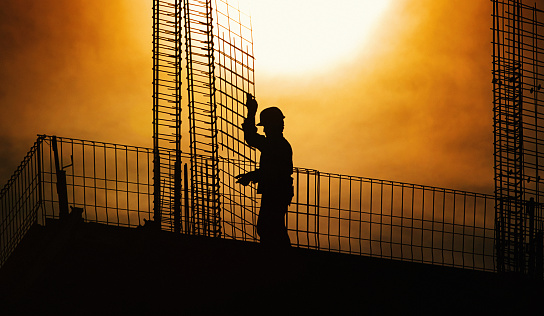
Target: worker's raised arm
[(251, 136), (251, 105)]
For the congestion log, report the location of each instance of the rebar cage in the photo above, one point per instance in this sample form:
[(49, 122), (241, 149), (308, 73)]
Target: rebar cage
[(206, 46), (518, 47)]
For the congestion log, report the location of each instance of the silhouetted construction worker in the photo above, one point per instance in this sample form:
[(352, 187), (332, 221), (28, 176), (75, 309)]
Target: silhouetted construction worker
[(274, 173)]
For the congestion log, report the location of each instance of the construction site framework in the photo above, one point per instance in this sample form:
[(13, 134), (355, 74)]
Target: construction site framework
[(113, 184), (518, 112), (202, 68)]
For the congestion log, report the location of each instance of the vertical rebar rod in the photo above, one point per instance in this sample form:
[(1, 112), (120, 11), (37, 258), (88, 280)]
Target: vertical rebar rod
[(156, 156), (188, 219)]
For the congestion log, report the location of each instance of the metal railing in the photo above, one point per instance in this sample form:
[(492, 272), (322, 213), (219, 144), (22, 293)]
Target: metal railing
[(112, 183), (376, 218), (331, 212), (394, 220), (20, 201)]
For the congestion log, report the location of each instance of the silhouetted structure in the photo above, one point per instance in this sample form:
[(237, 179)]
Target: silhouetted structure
[(190, 187), (114, 185), (205, 46), (518, 48)]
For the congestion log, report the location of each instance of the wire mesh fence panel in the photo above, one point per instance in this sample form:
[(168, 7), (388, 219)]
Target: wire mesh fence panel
[(239, 203), (111, 183), (392, 220), (20, 201)]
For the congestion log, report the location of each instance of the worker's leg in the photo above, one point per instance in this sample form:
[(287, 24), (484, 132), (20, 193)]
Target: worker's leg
[(271, 223)]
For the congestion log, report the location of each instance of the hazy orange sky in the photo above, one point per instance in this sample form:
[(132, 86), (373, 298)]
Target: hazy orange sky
[(409, 100)]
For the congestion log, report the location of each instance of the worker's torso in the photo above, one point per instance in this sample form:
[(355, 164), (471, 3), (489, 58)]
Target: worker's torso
[(276, 165)]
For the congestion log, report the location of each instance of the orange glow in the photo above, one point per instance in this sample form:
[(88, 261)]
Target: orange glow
[(398, 91), (413, 105)]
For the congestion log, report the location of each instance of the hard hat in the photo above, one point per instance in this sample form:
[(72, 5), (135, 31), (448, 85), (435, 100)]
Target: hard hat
[(271, 115)]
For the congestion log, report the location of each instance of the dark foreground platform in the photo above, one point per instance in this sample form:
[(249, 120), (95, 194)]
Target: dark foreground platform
[(93, 269)]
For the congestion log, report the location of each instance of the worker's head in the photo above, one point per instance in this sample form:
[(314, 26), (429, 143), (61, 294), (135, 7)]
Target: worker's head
[(272, 120)]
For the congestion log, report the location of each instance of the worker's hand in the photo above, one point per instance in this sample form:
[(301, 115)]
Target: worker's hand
[(251, 104), (246, 178)]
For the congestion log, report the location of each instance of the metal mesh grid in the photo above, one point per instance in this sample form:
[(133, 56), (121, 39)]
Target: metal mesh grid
[(389, 219), (518, 45), (239, 203), (166, 105), (112, 183), (20, 201), (217, 71), (234, 78), (331, 212)]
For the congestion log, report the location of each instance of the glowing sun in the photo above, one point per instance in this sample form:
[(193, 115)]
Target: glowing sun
[(301, 36)]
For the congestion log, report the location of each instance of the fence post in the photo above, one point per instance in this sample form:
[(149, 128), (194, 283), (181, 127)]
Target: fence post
[(62, 190), (186, 197), (39, 207)]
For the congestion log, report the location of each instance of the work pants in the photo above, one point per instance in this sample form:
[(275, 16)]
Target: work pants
[(271, 222)]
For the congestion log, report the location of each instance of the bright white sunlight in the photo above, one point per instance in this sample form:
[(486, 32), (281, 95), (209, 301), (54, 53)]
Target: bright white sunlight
[(294, 37)]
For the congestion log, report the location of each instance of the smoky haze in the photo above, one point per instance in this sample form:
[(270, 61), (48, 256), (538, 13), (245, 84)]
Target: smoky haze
[(414, 103), (73, 68)]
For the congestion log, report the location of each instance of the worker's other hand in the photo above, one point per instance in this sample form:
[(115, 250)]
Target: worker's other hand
[(251, 104), (246, 178)]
